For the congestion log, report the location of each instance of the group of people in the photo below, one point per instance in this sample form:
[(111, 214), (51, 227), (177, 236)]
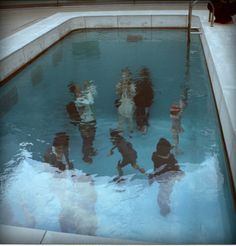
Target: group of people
[(134, 100), (165, 167)]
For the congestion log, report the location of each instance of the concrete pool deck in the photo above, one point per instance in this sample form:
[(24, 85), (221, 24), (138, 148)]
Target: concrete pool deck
[(219, 43), (14, 20)]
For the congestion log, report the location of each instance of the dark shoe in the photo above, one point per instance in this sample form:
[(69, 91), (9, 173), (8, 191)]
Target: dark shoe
[(116, 179), (120, 180)]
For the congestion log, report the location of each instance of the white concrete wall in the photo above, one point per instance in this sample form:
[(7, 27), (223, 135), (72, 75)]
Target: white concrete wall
[(23, 46)]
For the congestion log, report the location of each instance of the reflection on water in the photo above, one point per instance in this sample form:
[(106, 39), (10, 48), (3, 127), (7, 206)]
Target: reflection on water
[(79, 214), (82, 114), (166, 172), (58, 154), (157, 163), (57, 57), (89, 205), (125, 90), (88, 48), (134, 38), (129, 155), (8, 100), (37, 75), (143, 99)]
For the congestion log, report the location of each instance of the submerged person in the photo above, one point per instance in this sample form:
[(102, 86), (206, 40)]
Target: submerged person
[(166, 172), (143, 99), (58, 154), (129, 155), (176, 128), (125, 90), (82, 113), (176, 111)]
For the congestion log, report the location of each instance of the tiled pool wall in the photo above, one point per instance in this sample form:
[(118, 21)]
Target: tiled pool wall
[(20, 48)]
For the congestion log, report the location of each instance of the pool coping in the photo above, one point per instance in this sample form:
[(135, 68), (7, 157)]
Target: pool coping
[(22, 47), (23, 235)]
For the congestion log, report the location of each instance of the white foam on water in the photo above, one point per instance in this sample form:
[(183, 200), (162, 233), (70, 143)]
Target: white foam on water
[(35, 196)]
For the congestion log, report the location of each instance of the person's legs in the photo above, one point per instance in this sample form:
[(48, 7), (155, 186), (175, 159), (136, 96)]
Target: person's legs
[(84, 131), (131, 123), (119, 167), (121, 122), (86, 149), (175, 138), (141, 119), (163, 197), (136, 166), (91, 133)]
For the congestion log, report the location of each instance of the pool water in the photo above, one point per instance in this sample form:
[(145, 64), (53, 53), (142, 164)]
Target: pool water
[(33, 110)]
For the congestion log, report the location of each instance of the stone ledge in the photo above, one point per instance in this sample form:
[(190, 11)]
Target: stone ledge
[(21, 47), (22, 235)]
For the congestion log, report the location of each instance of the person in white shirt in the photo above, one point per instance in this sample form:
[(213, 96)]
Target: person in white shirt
[(125, 90), (82, 113)]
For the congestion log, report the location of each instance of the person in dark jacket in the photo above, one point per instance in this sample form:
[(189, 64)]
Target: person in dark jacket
[(223, 10), (166, 172), (143, 99), (58, 154), (129, 155), (163, 159)]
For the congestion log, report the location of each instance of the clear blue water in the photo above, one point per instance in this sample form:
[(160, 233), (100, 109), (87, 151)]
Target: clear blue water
[(33, 110)]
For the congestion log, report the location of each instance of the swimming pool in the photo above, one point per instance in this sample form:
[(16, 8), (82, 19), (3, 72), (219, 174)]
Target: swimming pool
[(34, 109)]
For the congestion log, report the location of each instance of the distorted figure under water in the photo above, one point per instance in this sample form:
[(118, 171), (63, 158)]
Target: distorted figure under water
[(58, 154), (166, 172), (129, 155), (143, 99), (125, 90), (176, 111), (82, 113)]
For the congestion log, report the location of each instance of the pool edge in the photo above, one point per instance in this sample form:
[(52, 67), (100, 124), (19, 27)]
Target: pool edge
[(23, 235)]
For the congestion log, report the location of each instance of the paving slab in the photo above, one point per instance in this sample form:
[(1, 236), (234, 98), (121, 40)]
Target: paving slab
[(68, 238), (20, 235), (13, 20)]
